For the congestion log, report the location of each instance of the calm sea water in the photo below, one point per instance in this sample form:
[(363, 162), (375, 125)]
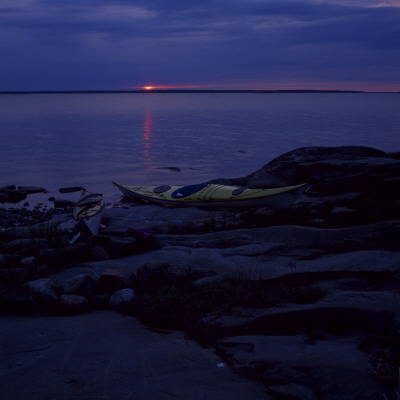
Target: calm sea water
[(56, 140)]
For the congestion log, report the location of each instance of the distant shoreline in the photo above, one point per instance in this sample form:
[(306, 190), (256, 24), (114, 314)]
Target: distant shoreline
[(181, 91)]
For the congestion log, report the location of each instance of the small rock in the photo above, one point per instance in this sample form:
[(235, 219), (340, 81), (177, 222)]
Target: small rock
[(122, 299), (342, 211), (42, 290), (32, 189), (29, 262), (177, 169)]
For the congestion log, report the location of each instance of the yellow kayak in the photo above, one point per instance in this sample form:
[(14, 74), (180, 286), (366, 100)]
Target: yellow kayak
[(213, 195), (89, 210)]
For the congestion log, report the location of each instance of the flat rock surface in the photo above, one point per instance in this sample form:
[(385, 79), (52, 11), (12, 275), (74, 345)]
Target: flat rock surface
[(105, 355), (256, 253), (333, 369)]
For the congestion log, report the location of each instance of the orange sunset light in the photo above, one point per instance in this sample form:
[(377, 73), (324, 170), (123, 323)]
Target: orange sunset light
[(288, 85)]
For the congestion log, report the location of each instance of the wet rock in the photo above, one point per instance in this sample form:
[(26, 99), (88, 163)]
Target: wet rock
[(29, 262), (32, 189), (176, 169), (7, 187), (342, 211), (12, 196)]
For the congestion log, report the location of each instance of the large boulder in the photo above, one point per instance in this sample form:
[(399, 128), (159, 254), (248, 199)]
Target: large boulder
[(123, 299), (330, 170), (347, 185)]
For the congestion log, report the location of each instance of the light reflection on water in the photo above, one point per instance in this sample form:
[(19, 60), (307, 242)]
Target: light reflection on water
[(90, 139), (147, 139)]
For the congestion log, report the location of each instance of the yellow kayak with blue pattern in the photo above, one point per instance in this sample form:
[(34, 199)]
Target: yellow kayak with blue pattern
[(213, 195)]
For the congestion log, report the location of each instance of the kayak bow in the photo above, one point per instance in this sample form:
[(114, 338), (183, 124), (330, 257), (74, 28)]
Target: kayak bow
[(89, 210)]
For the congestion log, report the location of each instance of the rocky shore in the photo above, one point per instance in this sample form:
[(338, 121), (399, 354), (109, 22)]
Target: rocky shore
[(304, 302)]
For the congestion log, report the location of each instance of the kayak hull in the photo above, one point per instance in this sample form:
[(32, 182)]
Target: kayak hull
[(213, 195)]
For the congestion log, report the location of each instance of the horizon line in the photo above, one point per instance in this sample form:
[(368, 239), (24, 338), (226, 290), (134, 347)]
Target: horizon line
[(159, 90)]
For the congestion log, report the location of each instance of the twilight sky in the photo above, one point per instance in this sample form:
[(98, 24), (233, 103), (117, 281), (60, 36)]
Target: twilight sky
[(217, 44)]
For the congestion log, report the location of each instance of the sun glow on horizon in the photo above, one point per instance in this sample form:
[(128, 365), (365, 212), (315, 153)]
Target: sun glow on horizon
[(284, 85)]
